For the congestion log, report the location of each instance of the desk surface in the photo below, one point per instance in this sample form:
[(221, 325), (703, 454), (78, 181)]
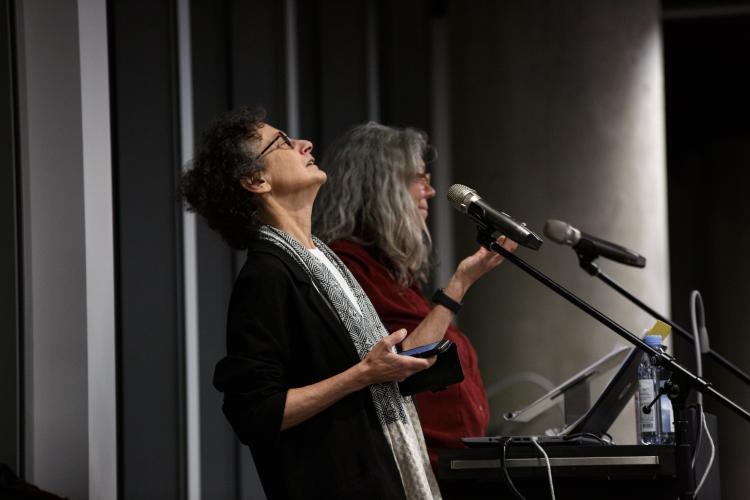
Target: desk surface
[(611, 472)]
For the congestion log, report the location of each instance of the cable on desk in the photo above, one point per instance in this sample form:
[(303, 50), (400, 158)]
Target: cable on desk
[(549, 467), (710, 460), (508, 480), (698, 439)]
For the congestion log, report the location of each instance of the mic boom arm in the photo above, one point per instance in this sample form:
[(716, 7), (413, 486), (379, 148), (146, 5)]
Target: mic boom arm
[(593, 270), (694, 381)]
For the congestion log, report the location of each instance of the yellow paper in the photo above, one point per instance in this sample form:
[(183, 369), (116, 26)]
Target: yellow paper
[(660, 328)]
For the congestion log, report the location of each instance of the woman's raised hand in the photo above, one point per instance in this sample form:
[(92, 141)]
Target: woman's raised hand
[(481, 262)]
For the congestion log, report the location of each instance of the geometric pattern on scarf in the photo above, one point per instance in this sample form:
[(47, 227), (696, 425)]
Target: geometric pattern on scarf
[(365, 328), (397, 414)]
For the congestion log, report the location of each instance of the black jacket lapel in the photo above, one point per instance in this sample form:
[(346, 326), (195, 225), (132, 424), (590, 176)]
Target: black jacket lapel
[(315, 297)]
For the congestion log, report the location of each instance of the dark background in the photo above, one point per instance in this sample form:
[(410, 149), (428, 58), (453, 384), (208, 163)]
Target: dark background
[(708, 155), (238, 57)]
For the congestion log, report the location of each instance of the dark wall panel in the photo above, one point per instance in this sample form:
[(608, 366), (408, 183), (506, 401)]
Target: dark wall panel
[(308, 34), (10, 359), (146, 158), (405, 63), (257, 72), (210, 46), (334, 83), (341, 68), (221, 472), (708, 154), (219, 446)]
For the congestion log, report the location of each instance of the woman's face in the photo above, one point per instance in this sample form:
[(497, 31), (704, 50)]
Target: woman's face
[(421, 190), (289, 166)]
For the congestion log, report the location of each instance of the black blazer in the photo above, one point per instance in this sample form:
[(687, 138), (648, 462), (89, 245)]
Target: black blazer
[(281, 334)]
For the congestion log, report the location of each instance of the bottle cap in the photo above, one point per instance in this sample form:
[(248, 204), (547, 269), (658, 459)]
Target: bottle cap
[(653, 341)]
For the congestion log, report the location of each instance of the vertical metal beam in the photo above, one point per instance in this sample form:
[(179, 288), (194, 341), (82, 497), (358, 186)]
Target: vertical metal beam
[(372, 56), (290, 63), (190, 260), (99, 245), (442, 221)]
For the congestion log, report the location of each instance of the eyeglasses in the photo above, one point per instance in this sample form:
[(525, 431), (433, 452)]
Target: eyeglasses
[(424, 178), (281, 135)]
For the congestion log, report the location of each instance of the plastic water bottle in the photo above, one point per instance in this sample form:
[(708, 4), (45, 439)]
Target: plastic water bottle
[(648, 384), (666, 427)]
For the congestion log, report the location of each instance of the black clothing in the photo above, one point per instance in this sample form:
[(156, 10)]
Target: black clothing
[(282, 334)]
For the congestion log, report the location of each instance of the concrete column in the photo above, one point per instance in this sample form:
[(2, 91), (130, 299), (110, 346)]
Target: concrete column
[(558, 113)]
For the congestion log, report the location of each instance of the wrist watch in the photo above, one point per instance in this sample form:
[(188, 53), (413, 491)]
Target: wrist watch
[(441, 298)]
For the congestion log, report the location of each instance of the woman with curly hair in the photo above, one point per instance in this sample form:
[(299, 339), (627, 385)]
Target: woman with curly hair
[(309, 380), (372, 212)]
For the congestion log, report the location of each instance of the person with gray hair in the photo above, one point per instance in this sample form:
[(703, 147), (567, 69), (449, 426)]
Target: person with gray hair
[(372, 212)]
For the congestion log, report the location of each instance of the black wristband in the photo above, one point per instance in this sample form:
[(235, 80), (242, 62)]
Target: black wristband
[(441, 298)]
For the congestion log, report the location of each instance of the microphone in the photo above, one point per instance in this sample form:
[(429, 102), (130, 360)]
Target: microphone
[(589, 246), (467, 201)]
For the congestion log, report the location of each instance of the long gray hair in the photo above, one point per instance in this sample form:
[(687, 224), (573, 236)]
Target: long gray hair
[(367, 199)]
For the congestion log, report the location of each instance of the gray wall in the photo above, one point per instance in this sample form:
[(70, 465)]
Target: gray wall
[(67, 240), (558, 113), (54, 258)]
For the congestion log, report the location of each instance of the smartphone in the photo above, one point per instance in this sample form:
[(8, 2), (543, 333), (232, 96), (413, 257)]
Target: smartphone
[(425, 351)]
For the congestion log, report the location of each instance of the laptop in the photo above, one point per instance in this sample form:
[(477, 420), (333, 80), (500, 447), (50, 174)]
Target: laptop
[(594, 423)]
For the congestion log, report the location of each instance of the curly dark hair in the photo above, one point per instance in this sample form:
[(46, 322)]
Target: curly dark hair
[(212, 185)]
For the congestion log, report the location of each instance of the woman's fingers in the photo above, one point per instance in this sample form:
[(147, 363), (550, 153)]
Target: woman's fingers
[(386, 366), (394, 338)]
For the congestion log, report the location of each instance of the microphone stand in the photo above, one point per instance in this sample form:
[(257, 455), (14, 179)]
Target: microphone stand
[(682, 379), (587, 264)]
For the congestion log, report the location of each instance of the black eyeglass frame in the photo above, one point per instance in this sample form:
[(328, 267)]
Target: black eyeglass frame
[(280, 135)]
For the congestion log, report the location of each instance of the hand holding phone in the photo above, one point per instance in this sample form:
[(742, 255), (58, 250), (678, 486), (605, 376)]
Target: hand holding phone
[(382, 364), (428, 350)]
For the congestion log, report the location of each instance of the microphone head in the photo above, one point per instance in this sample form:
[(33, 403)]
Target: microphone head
[(561, 232), (460, 196)]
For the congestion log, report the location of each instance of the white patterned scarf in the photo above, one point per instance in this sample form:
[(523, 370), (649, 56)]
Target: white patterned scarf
[(397, 414)]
